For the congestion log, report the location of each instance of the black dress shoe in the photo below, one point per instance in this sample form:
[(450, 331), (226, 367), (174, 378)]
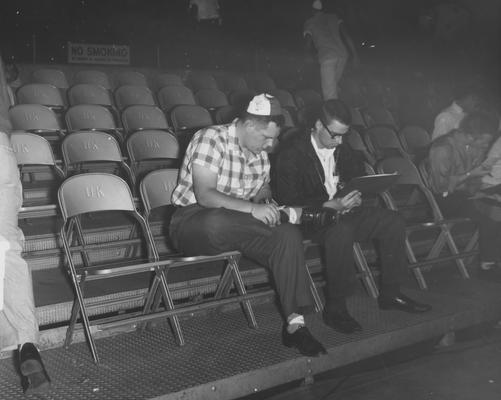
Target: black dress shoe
[(303, 341), (402, 303), (34, 377), (341, 321)]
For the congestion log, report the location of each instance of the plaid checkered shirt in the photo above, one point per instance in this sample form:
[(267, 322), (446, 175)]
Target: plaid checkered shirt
[(217, 149)]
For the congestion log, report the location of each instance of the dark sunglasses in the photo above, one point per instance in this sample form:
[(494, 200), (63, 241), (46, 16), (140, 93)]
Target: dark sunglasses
[(333, 135)]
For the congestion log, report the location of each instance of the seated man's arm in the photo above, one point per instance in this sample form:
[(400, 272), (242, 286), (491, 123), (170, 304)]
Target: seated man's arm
[(264, 194), (207, 195)]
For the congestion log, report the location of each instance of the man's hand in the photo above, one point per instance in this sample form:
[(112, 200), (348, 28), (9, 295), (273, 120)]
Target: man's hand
[(264, 195), (266, 213), (345, 204)]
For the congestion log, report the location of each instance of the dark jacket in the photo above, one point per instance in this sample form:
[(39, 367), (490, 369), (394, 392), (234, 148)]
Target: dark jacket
[(297, 176)]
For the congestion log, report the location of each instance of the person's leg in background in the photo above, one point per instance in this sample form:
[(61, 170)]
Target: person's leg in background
[(328, 78)]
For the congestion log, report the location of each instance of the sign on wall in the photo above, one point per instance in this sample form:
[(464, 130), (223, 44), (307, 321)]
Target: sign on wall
[(86, 53)]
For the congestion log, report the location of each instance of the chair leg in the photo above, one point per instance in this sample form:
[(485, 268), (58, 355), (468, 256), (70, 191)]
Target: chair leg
[(224, 286), (314, 292), (412, 260), (240, 286), (368, 279), (454, 250), (176, 326)]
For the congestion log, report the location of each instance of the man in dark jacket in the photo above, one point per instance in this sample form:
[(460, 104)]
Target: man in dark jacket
[(311, 172)]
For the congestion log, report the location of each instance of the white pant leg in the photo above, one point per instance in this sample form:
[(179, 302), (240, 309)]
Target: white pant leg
[(328, 79), (18, 323)]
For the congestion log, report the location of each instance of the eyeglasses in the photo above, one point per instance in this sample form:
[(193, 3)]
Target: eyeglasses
[(333, 135)]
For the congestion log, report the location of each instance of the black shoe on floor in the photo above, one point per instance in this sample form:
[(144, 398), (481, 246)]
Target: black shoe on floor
[(34, 377), (341, 321), (303, 341), (402, 303)]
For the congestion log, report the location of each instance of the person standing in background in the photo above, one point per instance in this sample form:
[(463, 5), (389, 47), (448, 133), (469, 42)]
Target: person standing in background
[(326, 35)]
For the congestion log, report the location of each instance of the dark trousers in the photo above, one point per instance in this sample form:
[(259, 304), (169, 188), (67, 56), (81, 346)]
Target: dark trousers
[(361, 225), (196, 230), (458, 205)]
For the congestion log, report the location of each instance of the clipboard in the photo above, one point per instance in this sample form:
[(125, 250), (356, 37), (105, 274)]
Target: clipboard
[(369, 184)]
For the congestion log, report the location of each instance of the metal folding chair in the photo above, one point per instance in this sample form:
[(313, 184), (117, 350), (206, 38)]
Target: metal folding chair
[(167, 79), (93, 151), (134, 78), (260, 82), (355, 141), (171, 96), (37, 119), (382, 141), (415, 141), (189, 117), (93, 77), (156, 190), (89, 193), (150, 150), (416, 204), (128, 95), (138, 118), (198, 80), (285, 98), (226, 114), (378, 115), (228, 82), (92, 117), (307, 97), (241, 97), (211, 99), (40, 174), (51, 76), (88, 93), (41, 93)]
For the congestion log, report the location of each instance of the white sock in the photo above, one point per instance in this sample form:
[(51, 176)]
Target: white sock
[(294, 322)]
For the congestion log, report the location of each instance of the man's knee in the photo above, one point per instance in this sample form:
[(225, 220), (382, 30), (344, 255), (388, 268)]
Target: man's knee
[(288, 233), (340, 232)]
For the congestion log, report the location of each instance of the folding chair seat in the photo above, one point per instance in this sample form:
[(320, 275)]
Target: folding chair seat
[(415, 141), (171, 96), (37, 119), (226, 114), (92, 117), (50, 76), (382, 141), (167, 79), (150, 149), (228, 82), (41, 93), (198, 80), (260, 82), (133, 78), (92, 151), (355, 141), (415, 202), (128, 95), (138, 118), (241, 97), (378, 115), (156, 190), (40, 174), (79, 196), (307, 97), (211, 99), (92, 77)]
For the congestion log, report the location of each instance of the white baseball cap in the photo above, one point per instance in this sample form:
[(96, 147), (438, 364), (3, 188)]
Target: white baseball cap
[(265, 105)]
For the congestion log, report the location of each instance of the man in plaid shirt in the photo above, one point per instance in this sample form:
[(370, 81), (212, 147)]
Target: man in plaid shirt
[(221, 193)]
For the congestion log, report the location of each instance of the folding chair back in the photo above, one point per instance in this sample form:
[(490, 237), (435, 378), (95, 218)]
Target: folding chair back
[(285, 98), (378, 115), (355, 141), (133, 78), (128, 95), (288, 121), (140, 117), (198, 80), (306, 97), (31, 149), (356, 118), (171, 96), (166, 79), (241, 97), (89, 117), (415, 140), (87, 93), (156, 189), (40, 93), (92, 77), (261, 83), (211, 99), (51, 76), (228, 82), (34, 118), (185, 117), (152, 149), (226, 114), (382, 141), (410, 197)]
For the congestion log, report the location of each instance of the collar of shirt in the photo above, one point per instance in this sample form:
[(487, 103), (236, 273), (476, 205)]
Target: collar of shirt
[(326, 157)]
